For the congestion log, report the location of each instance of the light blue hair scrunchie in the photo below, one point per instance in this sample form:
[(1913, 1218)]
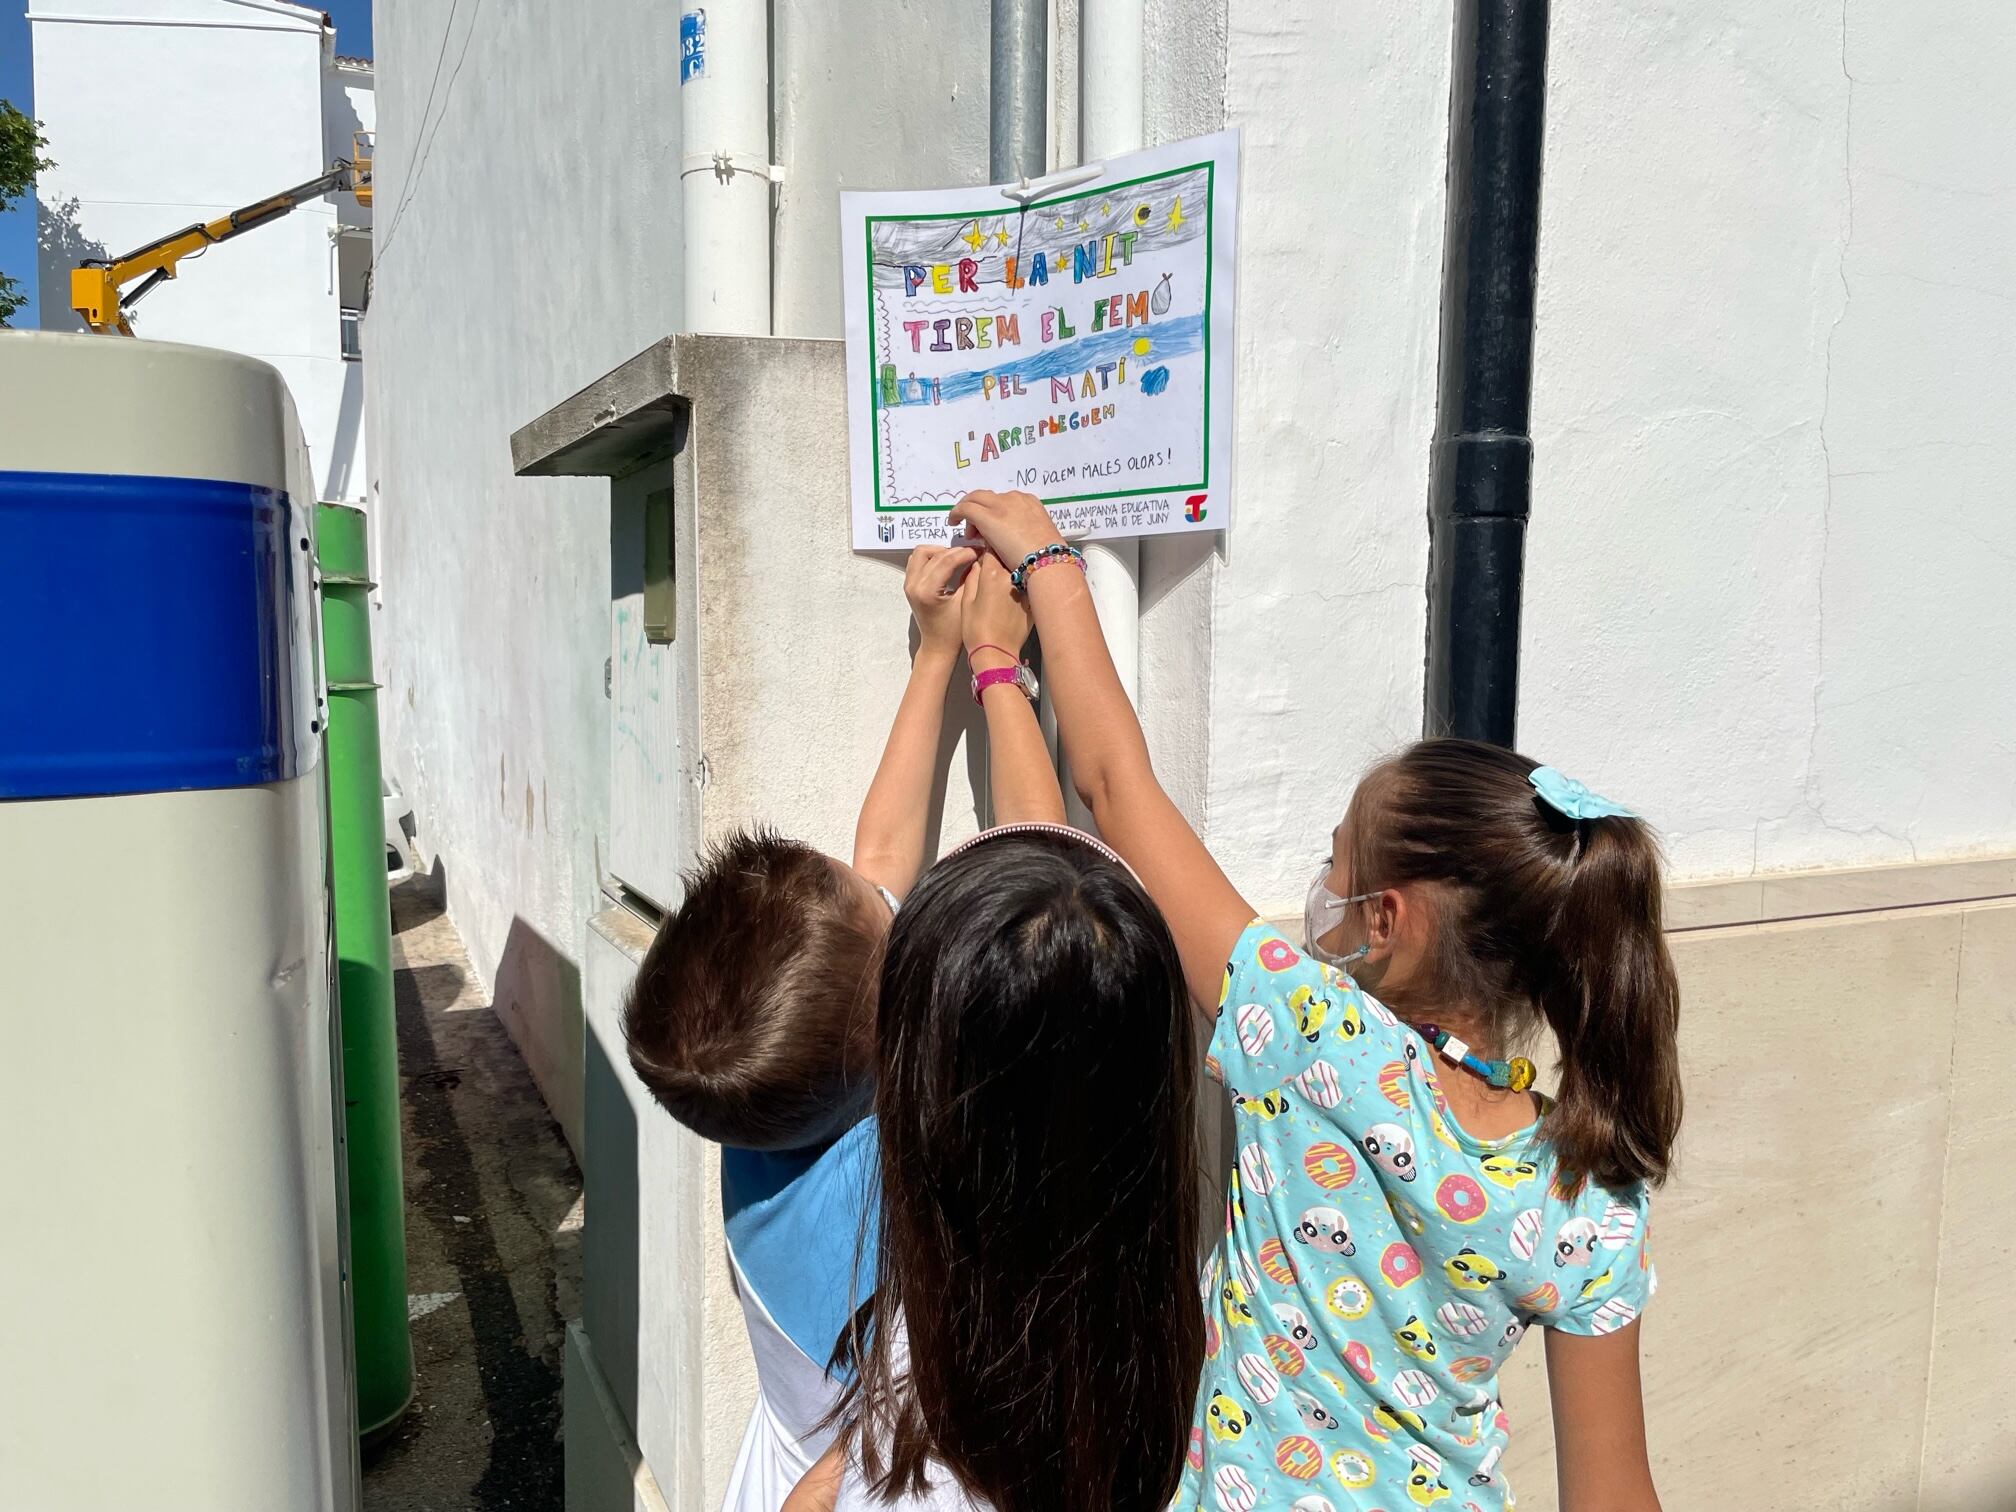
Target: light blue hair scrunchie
[(1571, 799)]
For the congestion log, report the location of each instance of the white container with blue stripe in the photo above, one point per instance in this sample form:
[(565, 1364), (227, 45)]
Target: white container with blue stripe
[(170, 1250)]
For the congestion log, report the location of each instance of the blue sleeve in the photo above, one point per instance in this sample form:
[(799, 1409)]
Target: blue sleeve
[(803, 1228), (1604, 1263), (1281, 1012)]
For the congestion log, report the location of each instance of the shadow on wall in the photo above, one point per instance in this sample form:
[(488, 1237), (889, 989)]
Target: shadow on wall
[(963, 720), (341, 123), (611, 1283), (538, 997), (1176, 559), (60, 245), (343, 447)]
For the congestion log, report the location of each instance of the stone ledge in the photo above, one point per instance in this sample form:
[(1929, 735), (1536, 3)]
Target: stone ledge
[(1775, 897)]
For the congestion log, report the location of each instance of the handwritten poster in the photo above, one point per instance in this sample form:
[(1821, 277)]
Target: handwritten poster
[(1078, 347)]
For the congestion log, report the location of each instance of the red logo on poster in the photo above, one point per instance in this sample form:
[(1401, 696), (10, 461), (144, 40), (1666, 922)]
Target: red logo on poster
[(1193, 508)]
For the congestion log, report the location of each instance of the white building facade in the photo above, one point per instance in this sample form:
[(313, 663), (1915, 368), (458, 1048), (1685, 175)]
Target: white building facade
[(1766, 604), (161, 114)]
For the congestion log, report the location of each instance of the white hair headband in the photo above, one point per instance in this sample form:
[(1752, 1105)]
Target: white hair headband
[(1038, 828)]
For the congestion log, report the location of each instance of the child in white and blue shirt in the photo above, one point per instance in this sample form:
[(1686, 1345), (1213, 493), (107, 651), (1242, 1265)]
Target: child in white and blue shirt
[(752, 1018)]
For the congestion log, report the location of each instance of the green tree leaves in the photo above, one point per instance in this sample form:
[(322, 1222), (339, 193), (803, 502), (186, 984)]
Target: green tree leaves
[(21, 144)]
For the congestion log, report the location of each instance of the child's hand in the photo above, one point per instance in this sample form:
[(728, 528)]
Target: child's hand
[(992, 614), (927, 583), (1013, 524)]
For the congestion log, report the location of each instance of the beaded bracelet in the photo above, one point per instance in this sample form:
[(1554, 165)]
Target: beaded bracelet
[(1043, 556)]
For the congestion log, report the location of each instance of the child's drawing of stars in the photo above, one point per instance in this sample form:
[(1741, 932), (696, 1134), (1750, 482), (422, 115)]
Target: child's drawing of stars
[(1176, 215), (1000, 237), (975, 238)]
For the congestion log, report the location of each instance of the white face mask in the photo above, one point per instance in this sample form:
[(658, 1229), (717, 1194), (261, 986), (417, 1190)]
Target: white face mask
[(1322, 912)]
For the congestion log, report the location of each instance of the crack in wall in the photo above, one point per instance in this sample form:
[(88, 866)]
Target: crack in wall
[(1808, 796)]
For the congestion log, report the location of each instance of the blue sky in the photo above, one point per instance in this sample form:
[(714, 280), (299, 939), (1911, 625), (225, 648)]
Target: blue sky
[(17, 225)]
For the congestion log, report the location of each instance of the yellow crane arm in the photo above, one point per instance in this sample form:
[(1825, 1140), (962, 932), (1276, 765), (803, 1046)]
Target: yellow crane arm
[(96, 283)]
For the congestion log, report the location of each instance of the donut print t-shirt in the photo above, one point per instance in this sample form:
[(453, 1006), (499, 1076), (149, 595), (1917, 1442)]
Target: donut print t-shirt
[(1378, 1263)]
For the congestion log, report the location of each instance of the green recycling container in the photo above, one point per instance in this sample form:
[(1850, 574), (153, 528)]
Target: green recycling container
[(384, 1348)]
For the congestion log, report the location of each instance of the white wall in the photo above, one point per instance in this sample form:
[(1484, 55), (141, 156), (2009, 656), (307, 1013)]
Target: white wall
[(1767, 583), (164, 113), (527, 238), (1317, 619), (915, 117), (1766, 409), (1765, 406)]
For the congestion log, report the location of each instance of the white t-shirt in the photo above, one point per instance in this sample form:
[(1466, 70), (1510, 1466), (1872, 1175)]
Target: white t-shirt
[(941, 1493), (793, 1222), (783, 1439)]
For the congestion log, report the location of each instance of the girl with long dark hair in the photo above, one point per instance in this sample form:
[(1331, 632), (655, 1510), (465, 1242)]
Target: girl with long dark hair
[(1034, 1339)]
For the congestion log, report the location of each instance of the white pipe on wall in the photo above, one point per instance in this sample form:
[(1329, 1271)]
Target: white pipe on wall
[(725, 172), (1111, 68), (1111, 72)]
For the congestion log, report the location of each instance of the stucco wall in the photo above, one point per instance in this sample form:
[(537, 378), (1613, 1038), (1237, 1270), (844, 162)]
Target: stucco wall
[(1764, 410), (167, 113), (527, 241), (1764, 416), (1769, 403), (1317, 618), (854, 112), (1870, 1388)]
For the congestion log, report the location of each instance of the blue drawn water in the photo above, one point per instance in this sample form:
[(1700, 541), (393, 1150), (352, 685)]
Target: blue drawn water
[(1178, 338)]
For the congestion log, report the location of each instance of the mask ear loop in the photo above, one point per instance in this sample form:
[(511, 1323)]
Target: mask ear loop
[(1366, 949), (1344, 962)]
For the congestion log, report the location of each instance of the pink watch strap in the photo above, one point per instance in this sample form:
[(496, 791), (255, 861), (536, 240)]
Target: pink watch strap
[(982, 681)]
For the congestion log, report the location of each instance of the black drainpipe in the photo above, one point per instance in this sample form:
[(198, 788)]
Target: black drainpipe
[(1481, 471)]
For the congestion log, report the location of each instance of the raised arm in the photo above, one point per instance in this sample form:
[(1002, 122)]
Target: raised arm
[(1020, 776), (1600, 1460), (1108, 755), (889, 837)]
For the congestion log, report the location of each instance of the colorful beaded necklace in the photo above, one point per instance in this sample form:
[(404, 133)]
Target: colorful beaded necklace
[(1514, 1075)]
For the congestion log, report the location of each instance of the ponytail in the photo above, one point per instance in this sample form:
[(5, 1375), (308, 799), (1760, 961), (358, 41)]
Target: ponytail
[(1605, 983), (1538, 916)]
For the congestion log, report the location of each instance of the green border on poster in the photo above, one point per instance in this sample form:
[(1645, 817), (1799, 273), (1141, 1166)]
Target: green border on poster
[(1210, 167)]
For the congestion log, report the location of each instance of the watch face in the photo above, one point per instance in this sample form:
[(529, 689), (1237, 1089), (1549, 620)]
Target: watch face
[(1025, 679)]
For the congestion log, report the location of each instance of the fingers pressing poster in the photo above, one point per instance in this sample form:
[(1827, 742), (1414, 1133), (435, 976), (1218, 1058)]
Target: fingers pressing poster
[(1077, 347)]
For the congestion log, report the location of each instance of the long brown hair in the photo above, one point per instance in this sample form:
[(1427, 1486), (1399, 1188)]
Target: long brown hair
[(1539, 916), (1038, 1237)]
